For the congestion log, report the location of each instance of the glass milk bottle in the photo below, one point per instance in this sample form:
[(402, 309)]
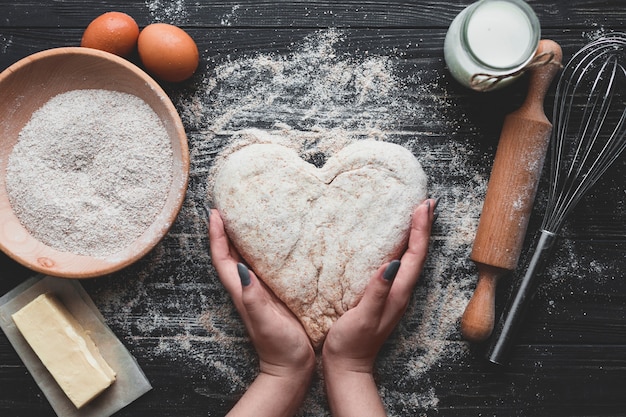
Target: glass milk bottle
[(490, 42)]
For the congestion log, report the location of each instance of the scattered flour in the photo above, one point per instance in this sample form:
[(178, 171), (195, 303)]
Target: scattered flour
[(230, 18), (5, 43), (596, 33), (167, 11), (315, 99)]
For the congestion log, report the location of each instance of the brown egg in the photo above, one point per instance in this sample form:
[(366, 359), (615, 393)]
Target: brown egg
[(167, 52), (114, 32)]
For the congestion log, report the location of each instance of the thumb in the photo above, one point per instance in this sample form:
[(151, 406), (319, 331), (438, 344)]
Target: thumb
[(375, 296)]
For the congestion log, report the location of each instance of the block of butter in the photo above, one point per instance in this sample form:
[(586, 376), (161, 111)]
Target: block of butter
[(65, 348)]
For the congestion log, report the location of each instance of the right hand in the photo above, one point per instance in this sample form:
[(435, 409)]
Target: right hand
[(355, 339)]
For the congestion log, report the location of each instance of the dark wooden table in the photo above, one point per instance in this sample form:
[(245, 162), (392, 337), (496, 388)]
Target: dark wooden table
[(170, 310)]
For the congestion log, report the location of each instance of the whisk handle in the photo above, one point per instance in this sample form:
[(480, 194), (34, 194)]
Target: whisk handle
[(513, 315)]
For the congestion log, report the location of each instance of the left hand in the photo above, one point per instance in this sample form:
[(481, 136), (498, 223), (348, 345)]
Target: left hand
[(281, 342)]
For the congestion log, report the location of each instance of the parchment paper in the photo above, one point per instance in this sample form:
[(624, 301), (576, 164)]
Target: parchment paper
[(130, 384)]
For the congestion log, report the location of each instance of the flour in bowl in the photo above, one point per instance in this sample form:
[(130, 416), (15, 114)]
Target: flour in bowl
[(90, 171)]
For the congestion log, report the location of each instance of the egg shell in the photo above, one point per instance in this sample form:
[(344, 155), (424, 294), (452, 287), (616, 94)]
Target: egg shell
[(167, 52), (113, 32)]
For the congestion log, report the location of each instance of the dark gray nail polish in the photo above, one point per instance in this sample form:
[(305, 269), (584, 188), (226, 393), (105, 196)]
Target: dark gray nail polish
[(435, 217), (391, 270), (244, 274), (436, 204), (207, 211)]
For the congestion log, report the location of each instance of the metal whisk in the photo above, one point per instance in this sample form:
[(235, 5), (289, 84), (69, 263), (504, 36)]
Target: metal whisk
[(589, 135)]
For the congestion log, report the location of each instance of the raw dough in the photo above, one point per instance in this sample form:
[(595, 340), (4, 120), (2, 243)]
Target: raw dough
[(315, 235)]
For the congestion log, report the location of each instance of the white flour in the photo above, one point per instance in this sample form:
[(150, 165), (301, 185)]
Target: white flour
[(5, 43), (167, 11), (90, 171)]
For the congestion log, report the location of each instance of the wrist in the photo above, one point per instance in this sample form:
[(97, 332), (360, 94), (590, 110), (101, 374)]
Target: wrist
[(341, 377), (292, 388), (274, 394), (288, 375), (351, 390), (296, 372), (341, 364)]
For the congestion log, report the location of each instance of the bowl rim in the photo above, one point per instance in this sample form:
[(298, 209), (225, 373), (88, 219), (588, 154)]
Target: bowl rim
[(99, 266)]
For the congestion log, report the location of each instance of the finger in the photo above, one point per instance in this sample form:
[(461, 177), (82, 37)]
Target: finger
[(415, 256), (223, 258), (421, 224), (219, 242), (412, 263), (374, 299), (255, 299)]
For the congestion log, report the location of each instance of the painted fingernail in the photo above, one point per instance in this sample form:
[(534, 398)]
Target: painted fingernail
[(207, 210), (435, 217), (244, 274), (436, 204), (392, 270)]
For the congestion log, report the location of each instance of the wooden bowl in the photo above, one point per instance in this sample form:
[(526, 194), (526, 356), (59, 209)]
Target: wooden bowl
[(24, 87)]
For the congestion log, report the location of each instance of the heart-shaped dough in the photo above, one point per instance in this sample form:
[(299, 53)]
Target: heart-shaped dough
[(315, 235)]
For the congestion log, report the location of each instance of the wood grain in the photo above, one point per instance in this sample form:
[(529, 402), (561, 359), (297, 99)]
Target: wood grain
[(570, 356)]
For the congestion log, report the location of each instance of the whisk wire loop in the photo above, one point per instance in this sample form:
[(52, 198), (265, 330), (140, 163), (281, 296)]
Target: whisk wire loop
[(591, 90)]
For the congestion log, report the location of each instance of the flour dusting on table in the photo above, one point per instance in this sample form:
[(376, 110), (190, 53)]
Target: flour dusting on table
[(316, 98), (169, 11)]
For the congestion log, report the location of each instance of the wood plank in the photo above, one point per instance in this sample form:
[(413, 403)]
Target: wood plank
[(301, 14)]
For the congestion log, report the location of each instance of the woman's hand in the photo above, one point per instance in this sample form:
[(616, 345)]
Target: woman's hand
[(353, 342), (286, 357)]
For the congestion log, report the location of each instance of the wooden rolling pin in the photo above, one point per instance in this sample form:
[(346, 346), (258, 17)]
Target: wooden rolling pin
[(510, 195)]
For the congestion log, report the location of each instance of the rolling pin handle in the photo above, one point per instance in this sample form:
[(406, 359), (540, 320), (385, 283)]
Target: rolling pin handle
[(479, 316)]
